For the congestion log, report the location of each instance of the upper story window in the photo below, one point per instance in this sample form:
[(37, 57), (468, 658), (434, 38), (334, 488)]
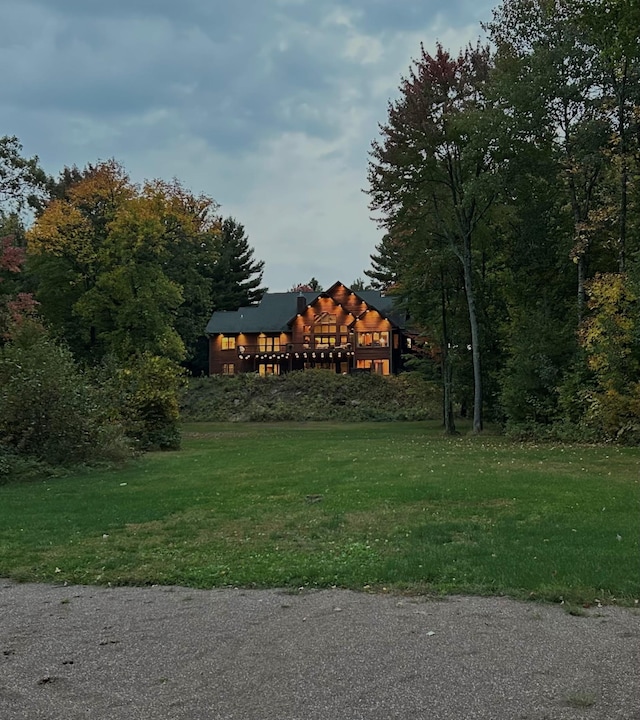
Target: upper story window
[(268, 344), (324, 342), (326, 332), (228, 343), (373, 339), (325, 324)]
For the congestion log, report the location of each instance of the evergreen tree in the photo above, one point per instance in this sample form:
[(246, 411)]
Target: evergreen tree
[(235, 275), (384, 264), (360, 284)]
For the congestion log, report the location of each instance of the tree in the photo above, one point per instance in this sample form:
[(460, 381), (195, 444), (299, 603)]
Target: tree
[(553, 80), (68, 251), (23, 183), (384, 264), (16, 306), (433, 168), (123, 269), (312, 286), (566, 81), (609, 336), (610, 27), (235, 276), (359, 284)]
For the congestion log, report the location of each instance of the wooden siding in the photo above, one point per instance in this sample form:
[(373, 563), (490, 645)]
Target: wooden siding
[(299, 348)]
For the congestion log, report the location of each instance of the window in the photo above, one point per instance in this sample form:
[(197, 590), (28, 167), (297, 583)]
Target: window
[(325, 324), (269, 369), (228, 343), (379, 367), (228, 369), (324, 342), (319, 365), (373, 339), (325, 331), (268, 344)]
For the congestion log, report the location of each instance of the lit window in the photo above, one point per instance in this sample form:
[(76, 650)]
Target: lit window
[(228, 369), (373, 339), (324, 342), (269, 369), (379, 367), (268, 344), (228, 343), (325, 324)]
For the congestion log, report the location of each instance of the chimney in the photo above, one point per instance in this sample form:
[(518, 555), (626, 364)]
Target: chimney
[(302, 304)]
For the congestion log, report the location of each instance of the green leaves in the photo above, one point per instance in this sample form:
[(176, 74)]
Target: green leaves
[(49, 409), (131, 308), (123, 269), (23, 183)]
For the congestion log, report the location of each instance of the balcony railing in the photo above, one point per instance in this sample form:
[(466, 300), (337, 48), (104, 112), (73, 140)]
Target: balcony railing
[(303, 350)]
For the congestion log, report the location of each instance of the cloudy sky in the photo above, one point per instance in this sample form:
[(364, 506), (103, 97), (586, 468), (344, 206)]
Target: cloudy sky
[(268, 106)]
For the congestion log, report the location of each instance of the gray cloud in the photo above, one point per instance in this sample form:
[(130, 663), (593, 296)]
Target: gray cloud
[(269, 106)]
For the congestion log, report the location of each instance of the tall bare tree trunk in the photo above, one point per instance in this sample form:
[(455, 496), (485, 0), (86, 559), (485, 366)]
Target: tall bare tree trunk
[(475, 336), (447, 369)]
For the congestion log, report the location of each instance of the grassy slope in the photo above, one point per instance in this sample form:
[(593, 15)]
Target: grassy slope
[(379, 505), (311, 395)]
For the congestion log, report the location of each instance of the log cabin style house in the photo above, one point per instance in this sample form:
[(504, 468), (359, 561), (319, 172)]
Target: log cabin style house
[(336, 329)]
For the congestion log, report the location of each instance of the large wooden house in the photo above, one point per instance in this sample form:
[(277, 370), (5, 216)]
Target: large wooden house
[(336, 329)]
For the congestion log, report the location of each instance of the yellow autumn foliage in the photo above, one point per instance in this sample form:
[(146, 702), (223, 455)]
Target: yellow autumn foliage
[(607, 335)]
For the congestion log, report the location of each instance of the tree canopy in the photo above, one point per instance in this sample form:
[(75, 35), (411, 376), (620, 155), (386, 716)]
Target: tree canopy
[(507, 181)]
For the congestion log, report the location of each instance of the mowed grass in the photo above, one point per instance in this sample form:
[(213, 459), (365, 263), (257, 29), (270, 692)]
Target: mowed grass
[(366, 506)]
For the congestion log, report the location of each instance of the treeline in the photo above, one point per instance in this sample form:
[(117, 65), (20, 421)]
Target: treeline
[(507, 182), (103, 301)]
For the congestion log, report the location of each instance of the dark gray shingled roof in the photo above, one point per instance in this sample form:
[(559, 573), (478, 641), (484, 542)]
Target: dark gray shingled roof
[(275, 310)]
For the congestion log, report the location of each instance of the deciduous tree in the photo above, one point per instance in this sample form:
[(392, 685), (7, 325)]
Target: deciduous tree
[(23, 183), (124, 269), (432, 170)]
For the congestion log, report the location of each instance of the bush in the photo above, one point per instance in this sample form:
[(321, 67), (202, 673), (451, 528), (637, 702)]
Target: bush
[(49, 409), (144, 396), (614, 415), (15, 467)]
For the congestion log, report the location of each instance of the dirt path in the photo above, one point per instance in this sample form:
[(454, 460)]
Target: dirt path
[(151, 653)]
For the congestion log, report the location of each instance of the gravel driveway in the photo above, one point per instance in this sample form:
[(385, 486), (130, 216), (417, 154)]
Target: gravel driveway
[(147, 653)]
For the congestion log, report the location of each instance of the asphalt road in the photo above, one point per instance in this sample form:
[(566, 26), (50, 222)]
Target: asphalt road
[(163, 653)]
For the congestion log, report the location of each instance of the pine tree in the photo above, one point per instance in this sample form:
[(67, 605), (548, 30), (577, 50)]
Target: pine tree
[(236, 276), (384, 264)]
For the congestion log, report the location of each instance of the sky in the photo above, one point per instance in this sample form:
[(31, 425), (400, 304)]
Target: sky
[(268, 106)]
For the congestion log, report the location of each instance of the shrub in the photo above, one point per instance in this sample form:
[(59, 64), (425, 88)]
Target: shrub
[(144, 395), (615, 415), (16, 467), (49, 410)]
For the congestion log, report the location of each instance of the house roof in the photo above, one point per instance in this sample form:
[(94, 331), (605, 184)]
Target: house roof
[(275, 311)]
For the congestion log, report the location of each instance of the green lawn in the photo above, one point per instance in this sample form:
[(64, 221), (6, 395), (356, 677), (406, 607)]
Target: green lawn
[(395, 506)]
